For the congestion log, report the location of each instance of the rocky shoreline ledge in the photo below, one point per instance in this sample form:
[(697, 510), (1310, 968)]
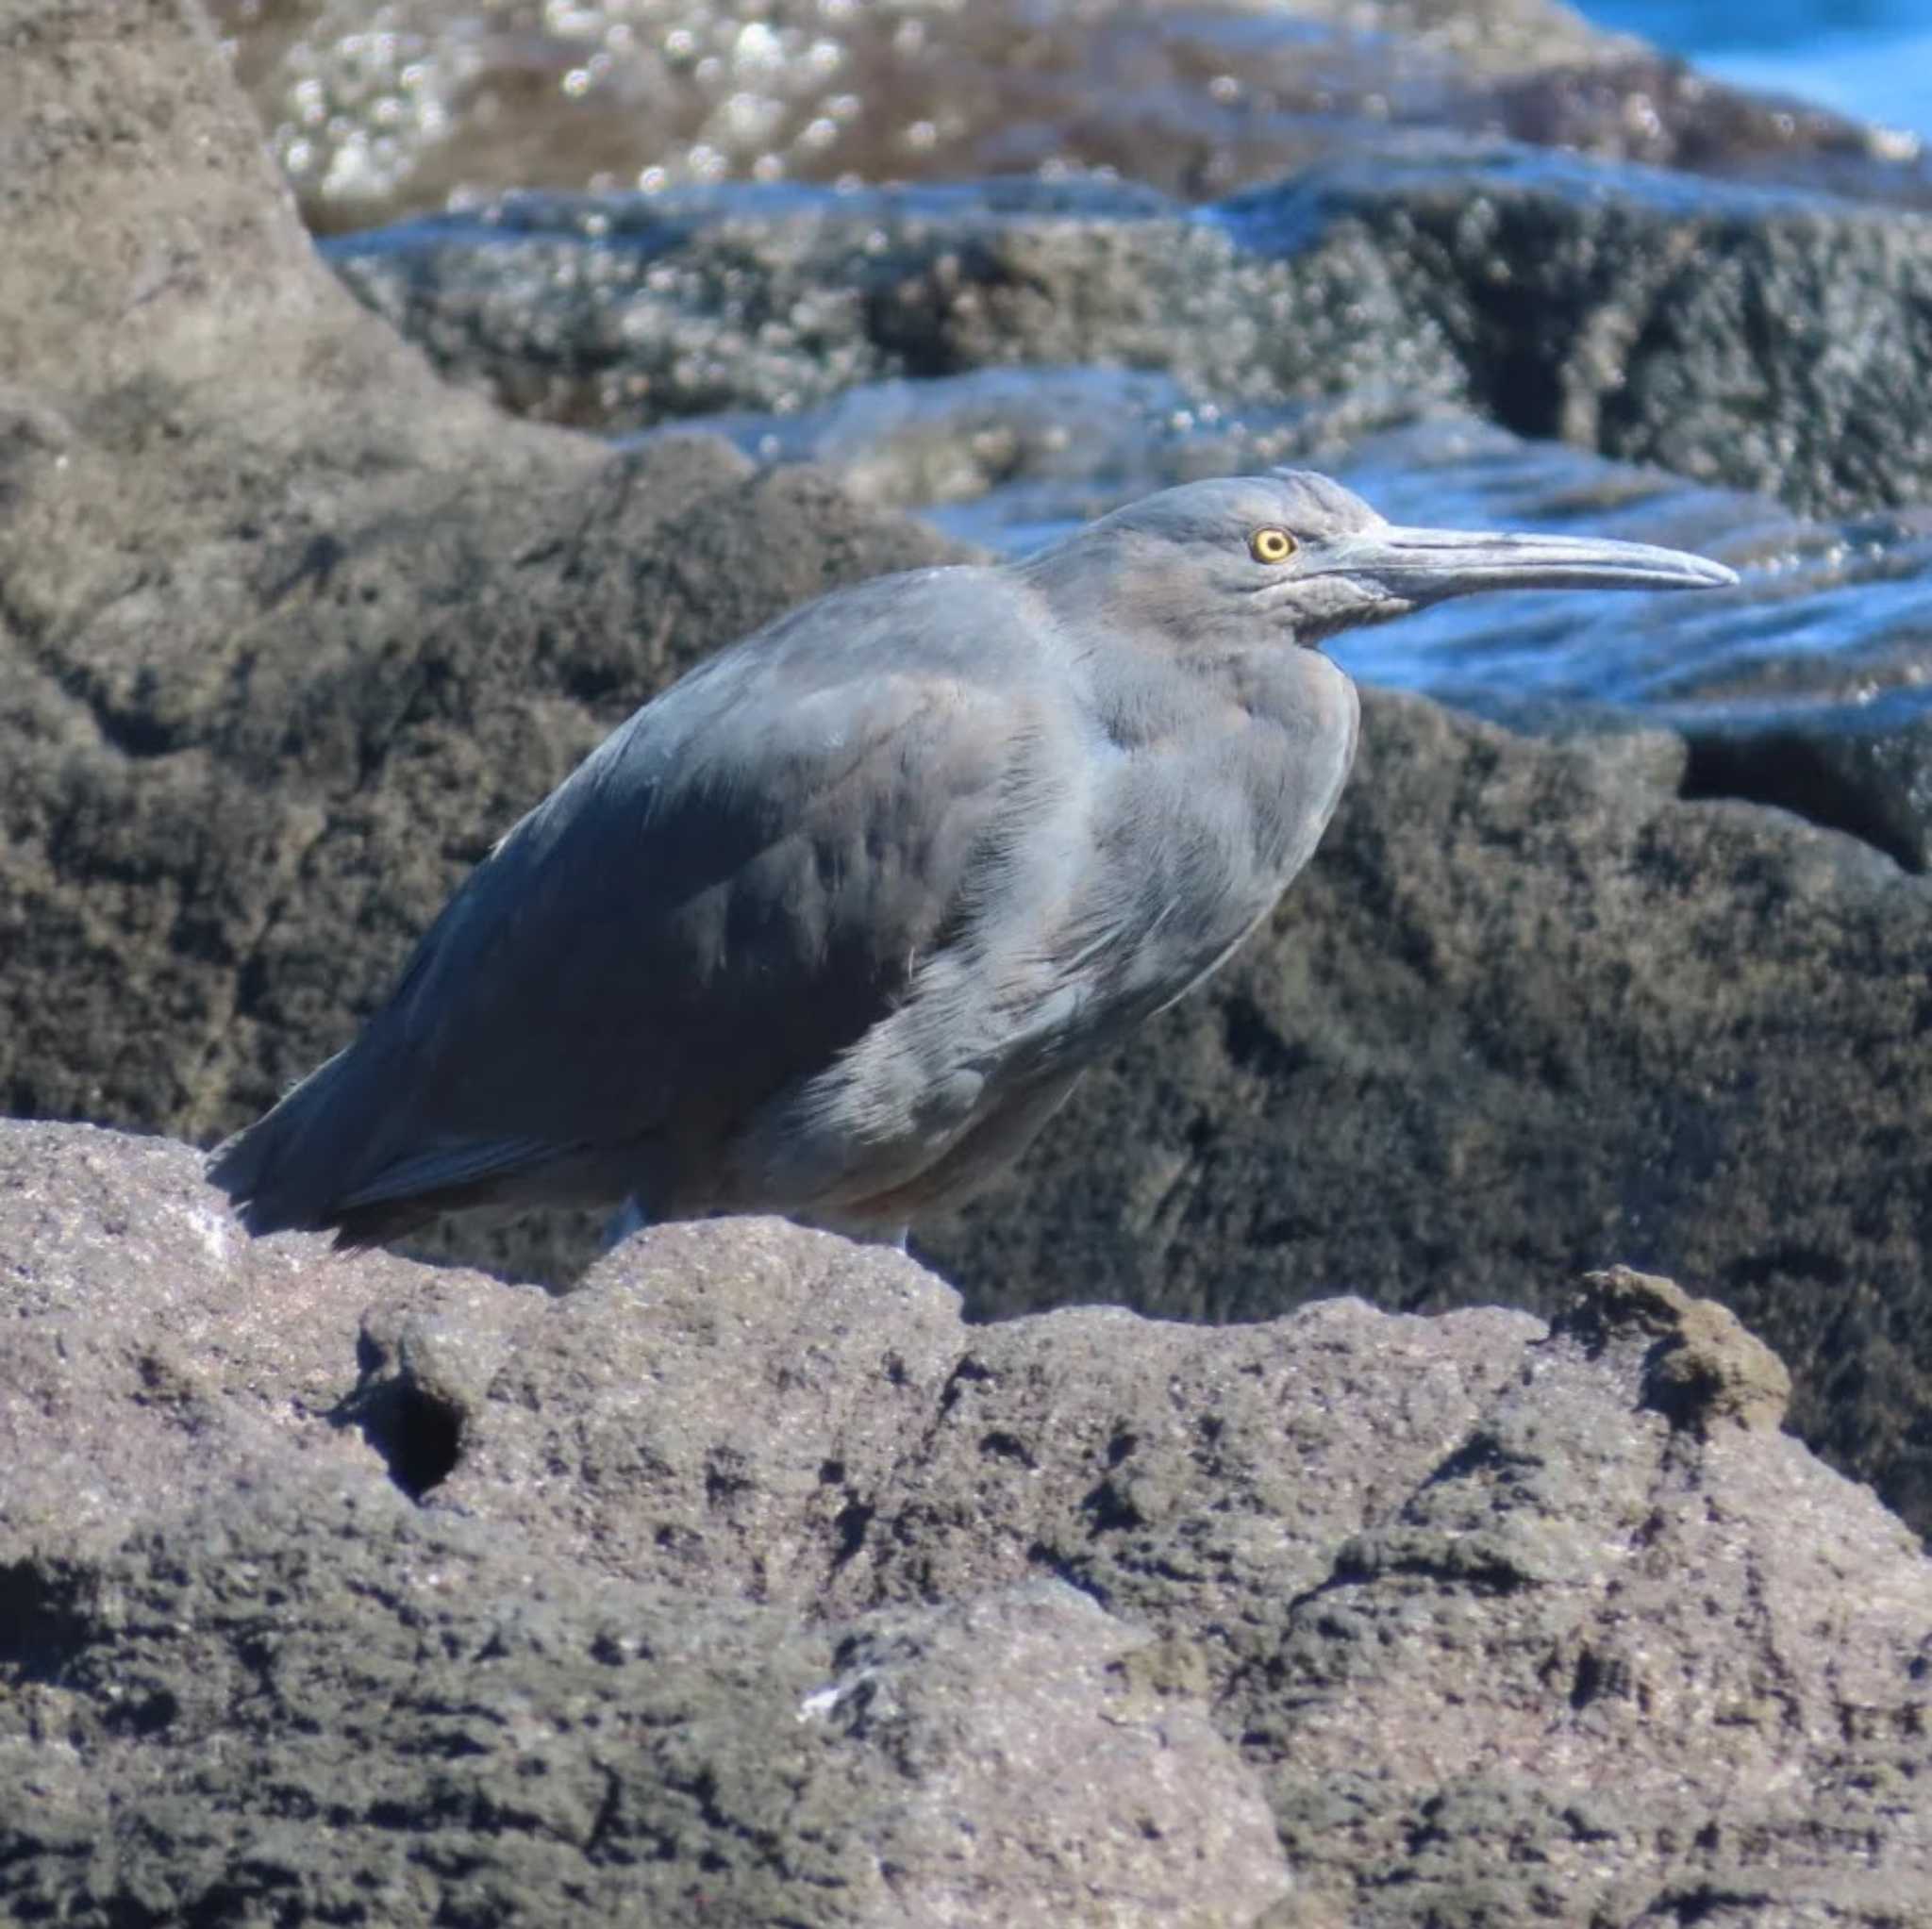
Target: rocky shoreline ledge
[(746, 1582)]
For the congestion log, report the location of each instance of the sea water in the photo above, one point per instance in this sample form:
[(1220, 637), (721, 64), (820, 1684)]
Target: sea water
[(1871, 59)]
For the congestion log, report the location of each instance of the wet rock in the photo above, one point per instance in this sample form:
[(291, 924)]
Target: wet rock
[(291, 631), (1661, 112), (378, 117), (1808, 689), (1764, 341), (756, 1583), (622, 312), (1058, 437), (1832, 613), (441, 103)]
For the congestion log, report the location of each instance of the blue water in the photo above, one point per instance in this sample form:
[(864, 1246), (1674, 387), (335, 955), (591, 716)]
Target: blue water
[(1871, 59)]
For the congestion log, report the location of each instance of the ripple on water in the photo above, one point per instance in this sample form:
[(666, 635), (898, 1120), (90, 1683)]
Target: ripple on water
[(1828, 612)]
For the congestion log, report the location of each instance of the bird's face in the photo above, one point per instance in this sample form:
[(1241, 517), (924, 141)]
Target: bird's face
[(1294, 557)]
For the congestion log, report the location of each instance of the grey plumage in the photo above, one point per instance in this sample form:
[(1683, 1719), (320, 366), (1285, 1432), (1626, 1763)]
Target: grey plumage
[(833, 925)]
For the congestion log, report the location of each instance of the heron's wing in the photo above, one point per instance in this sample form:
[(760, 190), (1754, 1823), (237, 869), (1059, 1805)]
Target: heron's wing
[(730, 892)]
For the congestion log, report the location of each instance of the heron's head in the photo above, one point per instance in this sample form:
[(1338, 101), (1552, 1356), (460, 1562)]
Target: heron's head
[(1292, 556)]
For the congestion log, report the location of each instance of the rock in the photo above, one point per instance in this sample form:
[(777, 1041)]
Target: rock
[(1645, 315), (417, 1712), (1528, 1012), (1807, 689), (1010, 459), (1864, 766), (748, 1579), (1648, 107), (651, 309), (291, 631), (373, 126), (1769, 340), (443, 105), (1705, 1369)]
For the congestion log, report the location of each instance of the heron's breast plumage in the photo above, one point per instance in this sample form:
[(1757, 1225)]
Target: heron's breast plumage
[(1226, 777)]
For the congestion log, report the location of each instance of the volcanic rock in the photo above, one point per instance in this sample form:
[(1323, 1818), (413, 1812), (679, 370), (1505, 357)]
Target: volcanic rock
[(748, 1581)]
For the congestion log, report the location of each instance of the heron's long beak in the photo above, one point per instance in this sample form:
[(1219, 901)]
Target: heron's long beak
[(1425, 565)]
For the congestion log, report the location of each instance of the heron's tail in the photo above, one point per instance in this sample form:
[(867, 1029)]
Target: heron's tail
[(294, 1165), (340, 1153)]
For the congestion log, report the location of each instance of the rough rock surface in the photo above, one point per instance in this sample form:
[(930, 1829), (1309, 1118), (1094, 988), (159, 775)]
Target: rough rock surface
[(747, 1579), (1866, 768), (1774, 342)]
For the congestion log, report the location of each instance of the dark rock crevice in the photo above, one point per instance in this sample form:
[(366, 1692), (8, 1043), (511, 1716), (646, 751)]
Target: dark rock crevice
[(1834, 779)]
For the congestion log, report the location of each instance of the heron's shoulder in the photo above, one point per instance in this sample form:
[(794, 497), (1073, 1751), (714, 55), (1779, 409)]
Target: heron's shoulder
[(964, 622), (964, 636), (938, 600)]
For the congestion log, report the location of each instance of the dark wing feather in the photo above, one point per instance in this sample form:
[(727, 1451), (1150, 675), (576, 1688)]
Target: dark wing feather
[(723, 898)]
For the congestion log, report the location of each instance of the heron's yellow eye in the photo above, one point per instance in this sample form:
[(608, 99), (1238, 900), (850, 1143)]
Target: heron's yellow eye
[(1271, 545)]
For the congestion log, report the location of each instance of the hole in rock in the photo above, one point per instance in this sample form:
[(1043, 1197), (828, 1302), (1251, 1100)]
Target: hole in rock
[(1819, 779), (418, 1436), (43, 1626)]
